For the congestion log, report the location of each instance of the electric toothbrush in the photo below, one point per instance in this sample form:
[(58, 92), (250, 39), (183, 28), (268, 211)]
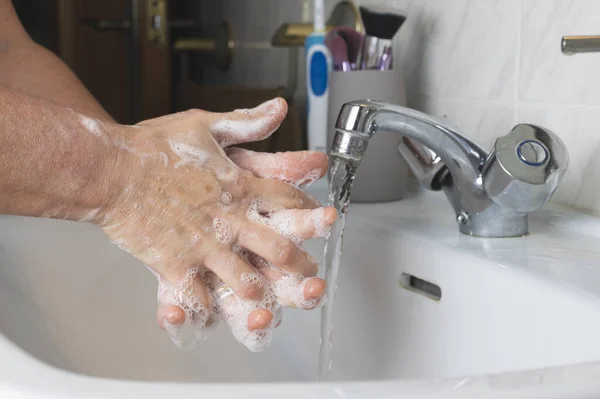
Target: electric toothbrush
[(318, 72)]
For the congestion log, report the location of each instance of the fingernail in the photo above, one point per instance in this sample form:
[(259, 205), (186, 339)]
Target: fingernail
[(314, 288), (174, 315), (259, 319)]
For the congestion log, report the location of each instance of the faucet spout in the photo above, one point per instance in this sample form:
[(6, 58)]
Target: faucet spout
[(442, 158)]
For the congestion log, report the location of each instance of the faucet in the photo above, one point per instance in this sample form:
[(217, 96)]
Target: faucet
[(491, 194)]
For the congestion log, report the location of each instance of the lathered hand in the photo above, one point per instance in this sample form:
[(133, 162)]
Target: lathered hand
[(206, 226)]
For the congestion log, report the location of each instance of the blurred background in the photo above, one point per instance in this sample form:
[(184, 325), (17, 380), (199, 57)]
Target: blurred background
[(484, 64), (146, 58)]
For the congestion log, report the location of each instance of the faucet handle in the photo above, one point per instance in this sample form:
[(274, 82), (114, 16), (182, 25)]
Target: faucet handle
[(525, 168)]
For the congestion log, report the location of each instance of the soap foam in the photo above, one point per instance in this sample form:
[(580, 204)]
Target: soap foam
[(252, 279), (284, 221), (188, 154), (286, 291), (316, 218), (192, 331), (223, 231), (226, 198), (251, 126), (235, 312), (284, 224), (227, 173), (91, 125), (307, 180), (280, 221), (276, 167)]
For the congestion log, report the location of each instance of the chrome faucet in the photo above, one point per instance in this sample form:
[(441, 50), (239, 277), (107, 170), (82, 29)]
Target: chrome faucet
[(491, 194)]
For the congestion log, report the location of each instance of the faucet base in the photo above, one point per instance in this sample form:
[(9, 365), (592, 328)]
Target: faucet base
[(494, 222)]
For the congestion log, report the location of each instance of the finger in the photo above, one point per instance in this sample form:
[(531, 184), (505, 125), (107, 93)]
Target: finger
[(296, 292), (259, 319), (279, 250), (242, 321), (172, 314), (229, 306), (236, 274), (188, 306), (303, 223), (297, 168), (175, 315), (246, 125), (277, 195), (180, 295)]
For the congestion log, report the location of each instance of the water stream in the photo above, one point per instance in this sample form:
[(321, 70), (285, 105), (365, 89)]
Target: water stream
[(342, 175)]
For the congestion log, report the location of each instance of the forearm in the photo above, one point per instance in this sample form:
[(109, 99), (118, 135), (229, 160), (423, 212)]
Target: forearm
[(32, 69), (51, 162)]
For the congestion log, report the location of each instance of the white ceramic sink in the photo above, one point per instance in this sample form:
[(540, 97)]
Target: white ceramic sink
[(518, 317)]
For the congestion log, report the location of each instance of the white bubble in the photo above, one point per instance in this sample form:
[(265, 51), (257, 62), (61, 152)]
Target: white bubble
[(252, 279), (317, 218), (223, 231), (188, 154), (307, 180), (91, 125), (226, 198)]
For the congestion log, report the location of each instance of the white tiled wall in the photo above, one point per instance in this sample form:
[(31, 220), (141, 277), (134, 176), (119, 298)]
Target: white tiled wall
[(485, 64)]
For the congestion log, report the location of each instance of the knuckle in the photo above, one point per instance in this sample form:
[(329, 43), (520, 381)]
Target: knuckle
[(285, 252), (195, 112), (242, 185), (251, 292)]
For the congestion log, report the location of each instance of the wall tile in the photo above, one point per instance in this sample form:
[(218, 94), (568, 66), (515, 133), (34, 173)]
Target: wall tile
[(481, 121), (470, 49), (458, 48), (546, 73), (579, 128)]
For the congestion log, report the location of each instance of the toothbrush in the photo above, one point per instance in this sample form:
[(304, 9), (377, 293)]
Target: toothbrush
[(318, 72)]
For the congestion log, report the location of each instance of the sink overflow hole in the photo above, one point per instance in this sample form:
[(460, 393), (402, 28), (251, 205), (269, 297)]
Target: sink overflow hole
[(420, 286)]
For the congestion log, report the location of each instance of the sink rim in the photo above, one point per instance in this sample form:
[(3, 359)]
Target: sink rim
[(21, 373), (36, 379)]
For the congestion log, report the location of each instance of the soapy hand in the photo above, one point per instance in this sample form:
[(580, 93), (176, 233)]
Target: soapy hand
[(223, 241), (298, 168)]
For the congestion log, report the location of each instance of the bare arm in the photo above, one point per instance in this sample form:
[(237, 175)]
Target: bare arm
[(32, 69), (50, 165)]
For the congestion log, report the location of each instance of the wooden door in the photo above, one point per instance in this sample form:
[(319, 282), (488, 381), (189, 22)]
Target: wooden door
[(112, 46)]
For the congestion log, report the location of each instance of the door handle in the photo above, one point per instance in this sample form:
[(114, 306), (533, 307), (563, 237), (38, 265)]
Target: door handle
[(103, 25)]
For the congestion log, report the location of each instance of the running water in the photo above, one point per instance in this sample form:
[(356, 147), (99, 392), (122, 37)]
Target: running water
[(341, 179)]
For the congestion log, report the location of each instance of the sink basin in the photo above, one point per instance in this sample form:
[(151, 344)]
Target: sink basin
[(420, 310)]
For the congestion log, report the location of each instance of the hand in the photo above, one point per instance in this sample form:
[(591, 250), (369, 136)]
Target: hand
[(187, 209), (298, 168)]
